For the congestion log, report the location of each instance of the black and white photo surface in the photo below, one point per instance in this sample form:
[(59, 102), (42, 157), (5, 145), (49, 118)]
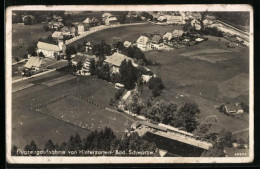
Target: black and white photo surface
[(129, 84)]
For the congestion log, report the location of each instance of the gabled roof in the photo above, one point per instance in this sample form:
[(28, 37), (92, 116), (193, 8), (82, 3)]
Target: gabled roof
[(167, 35), (142, 40), (117, 58), (156, 38), (33, 62), (57, 34), (48, 46)]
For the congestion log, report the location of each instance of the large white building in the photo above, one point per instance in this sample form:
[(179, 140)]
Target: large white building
[(51, 50), (143, 43)]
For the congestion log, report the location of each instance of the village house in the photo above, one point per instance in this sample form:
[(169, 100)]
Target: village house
[(112, 20), (105, 16), (57, 35), (51, 50), (55, 25), (85, 59), (143, 43), (234, 108), (157, 42), (196, 24), (91, 21), (89, 46), (114, 61), (25, 18), (127, 44)]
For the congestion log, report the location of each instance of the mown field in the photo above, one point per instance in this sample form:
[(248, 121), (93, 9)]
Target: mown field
[(130, 33), (23, 36), (207, 83), (29, 125)]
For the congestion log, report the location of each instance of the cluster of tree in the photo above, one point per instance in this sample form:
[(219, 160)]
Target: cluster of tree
[(119, 94), (132, 52), (184, 117), (104, 140), (203, 129), (101, 50), (71, 50), (213, 32), (147, 16)]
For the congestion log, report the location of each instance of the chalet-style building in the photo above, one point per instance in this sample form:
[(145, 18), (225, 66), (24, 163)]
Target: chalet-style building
[(112, 20), (143, 43), (115, 60), (157, 42)]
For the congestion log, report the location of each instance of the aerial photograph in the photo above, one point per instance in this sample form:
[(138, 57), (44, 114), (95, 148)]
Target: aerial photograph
[(130, 83)]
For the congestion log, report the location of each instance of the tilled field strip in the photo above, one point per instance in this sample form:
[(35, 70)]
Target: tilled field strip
[(59, 80), (15, 89)]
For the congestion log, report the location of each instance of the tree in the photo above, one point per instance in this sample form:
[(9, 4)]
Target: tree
[(49, 145), (186, 116), (14, 150), (79, 65), (92, 67), (46, 28), (103, 72), (222, 109), (128, 74), (17, 59), (28, 20), (136, 104), (214, 151), (156, 85), (80, 48), (31, 50), (41, 55), (70, 51)]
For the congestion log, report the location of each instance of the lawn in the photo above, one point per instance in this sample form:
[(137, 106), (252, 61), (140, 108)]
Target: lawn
[(23, 36), (204, 82), (29, 125), (130, 33)]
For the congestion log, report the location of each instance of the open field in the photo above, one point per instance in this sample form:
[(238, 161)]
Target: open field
[(29, 125), (130, 33), (197, 80), (24, 36)]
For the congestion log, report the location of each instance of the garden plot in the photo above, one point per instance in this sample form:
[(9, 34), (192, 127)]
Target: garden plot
[(86, 115)]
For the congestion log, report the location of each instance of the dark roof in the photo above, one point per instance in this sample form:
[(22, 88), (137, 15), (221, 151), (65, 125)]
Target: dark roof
[(233, 107)]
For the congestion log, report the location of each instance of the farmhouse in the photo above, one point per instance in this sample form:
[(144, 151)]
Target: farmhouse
[(157, 42), (50, 50), (85, 59), (127, 44), (115, 60), (234, 108), (143, 43), (33, 63), (112, 20)]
